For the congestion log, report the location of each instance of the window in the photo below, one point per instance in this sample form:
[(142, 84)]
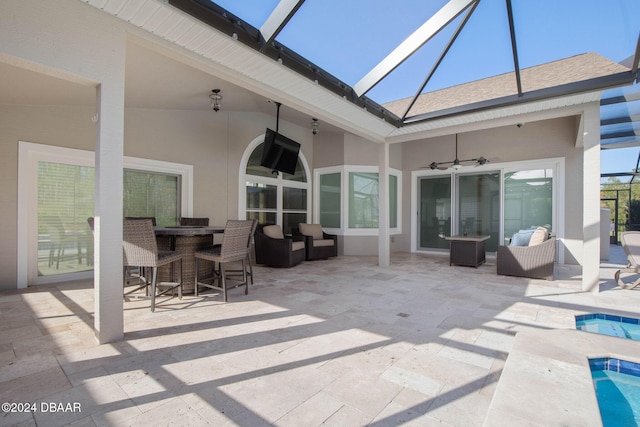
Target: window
[(271, 197), (152, 194), (58, 183), (355, 200), (393, 201), (363, 200), (330, 185)]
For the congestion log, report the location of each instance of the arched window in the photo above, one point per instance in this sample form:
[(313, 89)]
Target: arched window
[(271, 197)]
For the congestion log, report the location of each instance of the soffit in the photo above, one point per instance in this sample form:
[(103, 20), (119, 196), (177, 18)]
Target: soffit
[(246, 67), (242, 66)]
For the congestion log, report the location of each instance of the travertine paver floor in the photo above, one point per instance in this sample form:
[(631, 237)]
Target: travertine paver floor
[(340, 342)]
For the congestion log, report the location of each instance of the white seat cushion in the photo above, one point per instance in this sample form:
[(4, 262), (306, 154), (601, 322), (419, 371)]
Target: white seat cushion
[(273, 231), (296, 246)]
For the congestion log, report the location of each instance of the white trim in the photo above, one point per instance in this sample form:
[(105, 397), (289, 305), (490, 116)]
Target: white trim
[(29, 155), (557, 164), (344, 170), (183, 170)]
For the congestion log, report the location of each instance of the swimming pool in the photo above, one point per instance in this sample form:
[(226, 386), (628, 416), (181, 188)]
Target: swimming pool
[(607, 324), (617, 385)]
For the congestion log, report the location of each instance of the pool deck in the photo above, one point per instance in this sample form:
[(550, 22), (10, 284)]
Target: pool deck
[(546, 380), (340, 342)]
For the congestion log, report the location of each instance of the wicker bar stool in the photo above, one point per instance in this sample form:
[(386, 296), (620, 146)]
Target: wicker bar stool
[(249, 251), (249, 265), (141, 250), (234, 248)]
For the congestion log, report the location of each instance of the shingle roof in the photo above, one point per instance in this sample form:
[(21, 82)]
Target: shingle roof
[(569, 70)]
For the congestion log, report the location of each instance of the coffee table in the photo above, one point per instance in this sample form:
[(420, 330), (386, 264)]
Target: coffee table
[(467, 250)]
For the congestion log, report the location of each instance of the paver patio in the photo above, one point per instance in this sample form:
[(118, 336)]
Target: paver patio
[(340, 342)]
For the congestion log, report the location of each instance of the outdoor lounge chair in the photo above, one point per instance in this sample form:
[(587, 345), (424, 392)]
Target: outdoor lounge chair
[(275, 249), (317, 243), (533, 261), (631, 244)]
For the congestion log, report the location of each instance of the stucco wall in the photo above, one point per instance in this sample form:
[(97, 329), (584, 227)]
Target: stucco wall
[(337, 150), (212, 143), (63, 126), (535, 140)]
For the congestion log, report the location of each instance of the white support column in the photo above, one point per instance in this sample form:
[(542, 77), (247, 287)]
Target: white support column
[(591, 199), (384, 250), (109, 309)]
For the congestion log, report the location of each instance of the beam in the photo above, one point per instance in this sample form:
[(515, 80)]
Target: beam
[(621, 119), (627, 143), (439, 60), (636, 60), (514, 47), (411, 44), (627, 97), (595, 84), (280, 16), (620, 134)]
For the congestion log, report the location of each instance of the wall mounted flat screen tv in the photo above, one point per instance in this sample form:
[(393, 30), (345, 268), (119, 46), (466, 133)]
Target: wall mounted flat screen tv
[(280, 153)]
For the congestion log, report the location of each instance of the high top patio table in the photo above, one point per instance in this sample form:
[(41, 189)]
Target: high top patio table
[(187, 240)]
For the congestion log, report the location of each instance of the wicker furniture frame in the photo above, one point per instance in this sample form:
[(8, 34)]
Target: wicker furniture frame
[(141, 250), (317, 252), (234, 248), (187, 240), (535, 262), (277, 252)]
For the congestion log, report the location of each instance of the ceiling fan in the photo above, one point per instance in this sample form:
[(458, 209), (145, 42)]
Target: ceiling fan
[(457, 163)]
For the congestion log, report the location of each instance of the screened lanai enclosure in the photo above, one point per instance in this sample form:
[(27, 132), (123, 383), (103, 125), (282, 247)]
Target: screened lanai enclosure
[(620, 142), (394, 65), (388, 62)]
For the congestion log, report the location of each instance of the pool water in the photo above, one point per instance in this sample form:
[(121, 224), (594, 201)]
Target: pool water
[(617, 386), (607, 324)]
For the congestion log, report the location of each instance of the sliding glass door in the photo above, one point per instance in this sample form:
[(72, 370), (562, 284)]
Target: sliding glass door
[(491, 200), (65, 201), (528, 200), (435, 212), (478, 203)]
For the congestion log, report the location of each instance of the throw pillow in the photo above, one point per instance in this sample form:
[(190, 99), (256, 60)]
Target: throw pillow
[(538, 236), (521, 238)]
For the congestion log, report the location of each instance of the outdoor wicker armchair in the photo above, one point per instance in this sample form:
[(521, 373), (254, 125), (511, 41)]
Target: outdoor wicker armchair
[(535, 262)]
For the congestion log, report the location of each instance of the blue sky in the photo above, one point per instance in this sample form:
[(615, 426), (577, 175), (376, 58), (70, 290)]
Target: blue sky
[(349, 37)]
